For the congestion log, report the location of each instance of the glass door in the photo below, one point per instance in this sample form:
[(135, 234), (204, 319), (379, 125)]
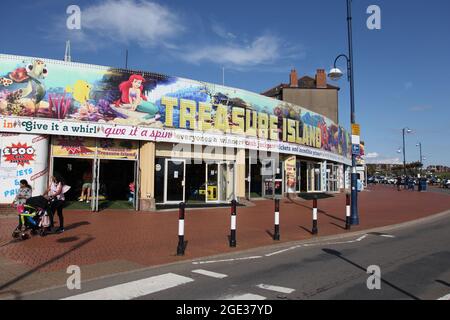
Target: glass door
[(268, 177), (175, 177), (212, 182), (226, 181)]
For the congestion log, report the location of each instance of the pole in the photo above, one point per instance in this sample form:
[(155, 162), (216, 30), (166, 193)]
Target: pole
[(314, 228), (181, 246), (347, 211), (354, 192), (404, 154), (276, 234), (233, 224), (421, 159)]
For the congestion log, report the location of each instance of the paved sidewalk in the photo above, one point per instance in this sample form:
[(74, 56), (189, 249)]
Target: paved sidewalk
[(116, 241)]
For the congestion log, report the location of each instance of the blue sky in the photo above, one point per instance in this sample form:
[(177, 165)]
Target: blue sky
[(401, 71)]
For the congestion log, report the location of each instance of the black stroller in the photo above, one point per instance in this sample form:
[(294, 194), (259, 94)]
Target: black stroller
[(33, 218)]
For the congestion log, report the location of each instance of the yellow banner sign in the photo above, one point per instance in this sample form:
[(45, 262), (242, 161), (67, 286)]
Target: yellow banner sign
[(69, 146), (356, 130)]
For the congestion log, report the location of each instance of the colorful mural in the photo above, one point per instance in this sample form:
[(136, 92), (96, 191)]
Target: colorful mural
[(33, 87)]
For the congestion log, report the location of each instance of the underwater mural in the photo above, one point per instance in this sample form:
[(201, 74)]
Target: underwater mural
[(43, 88)]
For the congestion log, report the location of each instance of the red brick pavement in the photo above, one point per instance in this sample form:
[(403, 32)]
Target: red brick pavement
[(151, 238)]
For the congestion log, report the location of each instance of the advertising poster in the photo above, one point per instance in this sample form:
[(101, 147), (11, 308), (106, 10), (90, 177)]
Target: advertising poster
[(23, 156), (83, 99), (70, 146), (291, 177)]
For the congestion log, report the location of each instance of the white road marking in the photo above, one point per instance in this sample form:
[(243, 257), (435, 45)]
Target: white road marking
[(226, 260), (446, 297), (315, 244), (275, 288), (134, 289), (318, 243), (245, 296), (387, 235), (277, 252), (210, 273)]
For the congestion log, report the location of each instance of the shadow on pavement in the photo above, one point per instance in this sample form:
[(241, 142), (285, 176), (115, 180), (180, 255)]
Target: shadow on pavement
[(307, 230), (443, 283), (76, 225), (311, 196), (335, 224), (339, 255), (35, 269)]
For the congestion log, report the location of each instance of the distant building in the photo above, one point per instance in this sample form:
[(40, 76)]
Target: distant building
[(314, 94), (438, 169)]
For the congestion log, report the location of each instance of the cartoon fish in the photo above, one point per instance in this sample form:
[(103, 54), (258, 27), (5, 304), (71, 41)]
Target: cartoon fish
[(80, 91)]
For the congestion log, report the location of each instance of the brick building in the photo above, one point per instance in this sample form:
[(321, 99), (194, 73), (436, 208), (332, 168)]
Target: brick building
[(314, 94)]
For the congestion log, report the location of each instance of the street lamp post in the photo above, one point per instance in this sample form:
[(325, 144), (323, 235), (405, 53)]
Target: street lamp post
[(405, 130), (336, 74), (421, 158)]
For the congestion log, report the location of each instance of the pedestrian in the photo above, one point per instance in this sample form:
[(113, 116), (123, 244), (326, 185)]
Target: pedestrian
[(399, 183), (131, 188), (56, 192), (24, 193), (86, 188)]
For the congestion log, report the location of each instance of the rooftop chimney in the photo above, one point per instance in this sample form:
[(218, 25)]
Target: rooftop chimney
[(293, 82), (321, 79)]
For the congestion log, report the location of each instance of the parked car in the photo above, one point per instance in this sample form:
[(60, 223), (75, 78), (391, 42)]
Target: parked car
[(446, 183)]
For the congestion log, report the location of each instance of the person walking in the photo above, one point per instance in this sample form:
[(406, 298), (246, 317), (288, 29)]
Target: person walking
[(399, 183), (56, 192)]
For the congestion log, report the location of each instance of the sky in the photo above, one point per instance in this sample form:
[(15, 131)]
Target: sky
[(401, 71)]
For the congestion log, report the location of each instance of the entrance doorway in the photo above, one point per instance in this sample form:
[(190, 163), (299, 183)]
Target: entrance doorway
[(314, 177), (175, 181), (272, 175), (75, 172), (195, 183), (220, 177), (254, 185), (115, 184)]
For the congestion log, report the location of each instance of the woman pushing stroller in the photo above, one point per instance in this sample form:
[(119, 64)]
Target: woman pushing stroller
[(55, 192)]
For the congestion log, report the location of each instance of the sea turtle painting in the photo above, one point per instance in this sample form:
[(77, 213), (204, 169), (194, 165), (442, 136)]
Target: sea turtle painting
[(27, 80)]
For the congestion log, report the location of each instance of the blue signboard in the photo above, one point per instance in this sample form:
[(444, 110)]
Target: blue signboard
[(355, 149)]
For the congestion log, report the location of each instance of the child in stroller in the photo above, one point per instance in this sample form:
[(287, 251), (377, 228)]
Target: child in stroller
[(33, 218)]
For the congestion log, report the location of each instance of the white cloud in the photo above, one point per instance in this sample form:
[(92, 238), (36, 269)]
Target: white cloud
[(143, 22), (384, 161), (372, 155), (222, 32), (263, 50)]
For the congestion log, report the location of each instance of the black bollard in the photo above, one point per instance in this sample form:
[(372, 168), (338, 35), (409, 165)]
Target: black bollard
[(276, 234), (233, 224), (347, 211), (314, 228), (181, 247)]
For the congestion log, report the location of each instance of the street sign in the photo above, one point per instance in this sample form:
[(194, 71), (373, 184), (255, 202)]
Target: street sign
[(355, 149), (356, 139), (356, 130)]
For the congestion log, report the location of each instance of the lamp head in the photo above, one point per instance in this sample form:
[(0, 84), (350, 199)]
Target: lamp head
[(335, 74)]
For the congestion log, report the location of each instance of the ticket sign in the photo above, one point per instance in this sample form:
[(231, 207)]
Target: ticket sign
[(356, 130)]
